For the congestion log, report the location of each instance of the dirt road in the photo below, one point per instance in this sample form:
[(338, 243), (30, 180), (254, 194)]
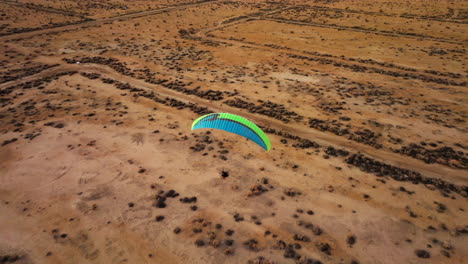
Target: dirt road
[(430, 170)]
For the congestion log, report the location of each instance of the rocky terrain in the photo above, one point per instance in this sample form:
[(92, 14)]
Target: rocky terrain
[(364, 102)]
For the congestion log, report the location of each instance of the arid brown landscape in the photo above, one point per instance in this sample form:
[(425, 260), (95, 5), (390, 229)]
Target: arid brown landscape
[(364, 101)]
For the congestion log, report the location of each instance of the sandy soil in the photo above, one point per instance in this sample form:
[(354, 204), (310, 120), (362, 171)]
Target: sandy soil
[(103, 8), (16, 19), (364, 102)]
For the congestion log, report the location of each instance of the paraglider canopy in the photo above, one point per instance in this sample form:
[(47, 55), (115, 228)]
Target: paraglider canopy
[(234, 124)]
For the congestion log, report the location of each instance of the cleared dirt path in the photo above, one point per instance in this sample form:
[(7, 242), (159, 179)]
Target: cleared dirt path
[(40, 8), (455, 176), (205, 34), (102, 21)]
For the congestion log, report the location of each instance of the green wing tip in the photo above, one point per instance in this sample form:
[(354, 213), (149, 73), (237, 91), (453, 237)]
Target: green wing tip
[(198, 119)]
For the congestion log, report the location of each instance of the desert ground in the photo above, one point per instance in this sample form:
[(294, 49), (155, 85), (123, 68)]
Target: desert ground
[(364, 101)]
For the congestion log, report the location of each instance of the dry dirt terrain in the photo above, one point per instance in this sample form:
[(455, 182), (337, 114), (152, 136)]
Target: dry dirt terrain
[(365, 104)]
